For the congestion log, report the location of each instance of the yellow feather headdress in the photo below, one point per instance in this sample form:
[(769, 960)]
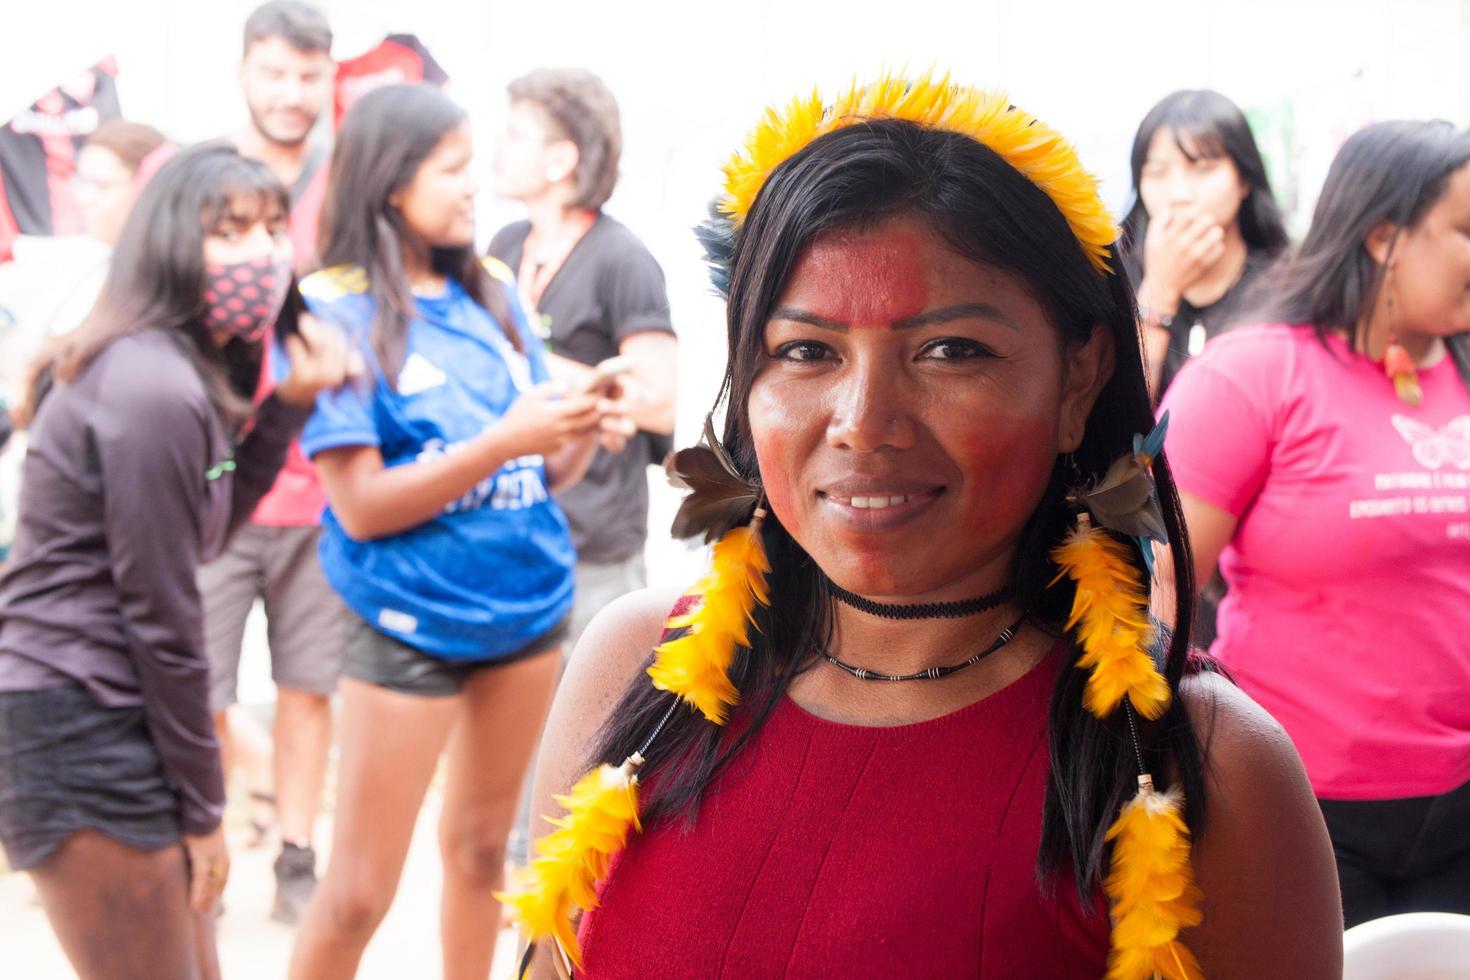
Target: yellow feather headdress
[(1030, 146)]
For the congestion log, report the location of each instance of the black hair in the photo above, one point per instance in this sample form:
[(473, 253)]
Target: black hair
[(1206, 124), (988, 212), (156, 278), (299, 24), (1388, 172), (384, 139)]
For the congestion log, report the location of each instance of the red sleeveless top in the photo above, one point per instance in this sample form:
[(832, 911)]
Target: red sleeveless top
[(831, 850)]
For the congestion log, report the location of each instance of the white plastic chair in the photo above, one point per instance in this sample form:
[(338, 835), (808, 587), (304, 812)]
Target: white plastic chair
[(1416, 946)]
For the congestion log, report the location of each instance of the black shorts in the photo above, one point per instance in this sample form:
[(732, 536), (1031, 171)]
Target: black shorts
[(383, 660), (67, 763)]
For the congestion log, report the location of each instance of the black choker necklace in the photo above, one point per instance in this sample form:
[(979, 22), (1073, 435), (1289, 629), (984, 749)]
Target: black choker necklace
[(957, 609), (933, 673)]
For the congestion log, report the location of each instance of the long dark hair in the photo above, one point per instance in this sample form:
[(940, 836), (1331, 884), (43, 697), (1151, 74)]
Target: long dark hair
[(1215, 127), (385, 137), (156, 277), (989, 213), (1389, 171)]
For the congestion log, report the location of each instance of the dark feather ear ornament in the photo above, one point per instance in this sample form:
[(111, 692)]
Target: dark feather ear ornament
[(719, 497), (1150, 884)]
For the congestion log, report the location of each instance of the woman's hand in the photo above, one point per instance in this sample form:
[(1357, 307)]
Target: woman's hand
[(542, 421), (320, 360), (1182, 245), (209, 868)]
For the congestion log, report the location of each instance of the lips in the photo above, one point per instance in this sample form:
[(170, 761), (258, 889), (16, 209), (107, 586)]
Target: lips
[(874, 504)]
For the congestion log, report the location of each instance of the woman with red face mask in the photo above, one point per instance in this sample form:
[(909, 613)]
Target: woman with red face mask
[(145, 454), (1323, 459), (890, 733)]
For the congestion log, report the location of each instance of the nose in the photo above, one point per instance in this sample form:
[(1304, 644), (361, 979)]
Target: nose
[(871, 408), (1181, 186)]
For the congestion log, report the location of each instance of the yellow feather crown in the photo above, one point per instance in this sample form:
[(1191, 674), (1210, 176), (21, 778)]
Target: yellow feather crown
[(1034, 149)]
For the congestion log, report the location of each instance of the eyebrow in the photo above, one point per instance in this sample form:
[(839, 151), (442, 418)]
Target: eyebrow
[(959, 311)]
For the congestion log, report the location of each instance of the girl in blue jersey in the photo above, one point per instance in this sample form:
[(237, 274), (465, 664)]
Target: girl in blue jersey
[(441, 533)]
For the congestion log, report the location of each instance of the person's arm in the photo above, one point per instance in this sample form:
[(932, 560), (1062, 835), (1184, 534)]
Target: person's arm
[(636, 301), (610, 653), (152, 444), (1223, 429), (1272, 909), (651, 390), (316, 359), (262, 453), (1210, 530), (372, 500)]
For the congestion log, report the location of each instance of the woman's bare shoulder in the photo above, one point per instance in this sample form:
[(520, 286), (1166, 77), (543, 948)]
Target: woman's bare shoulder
[(619, 638), (612, 650), (1272, 907)]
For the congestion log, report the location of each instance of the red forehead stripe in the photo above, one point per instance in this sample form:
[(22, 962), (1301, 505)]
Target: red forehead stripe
[(869, 279)]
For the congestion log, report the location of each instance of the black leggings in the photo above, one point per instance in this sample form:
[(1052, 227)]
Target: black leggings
[(1408, 855)]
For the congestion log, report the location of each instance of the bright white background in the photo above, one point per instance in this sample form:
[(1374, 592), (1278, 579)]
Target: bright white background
[(692, 77)]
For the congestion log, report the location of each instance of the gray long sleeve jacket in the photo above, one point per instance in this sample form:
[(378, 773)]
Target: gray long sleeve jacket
[(129, 483)]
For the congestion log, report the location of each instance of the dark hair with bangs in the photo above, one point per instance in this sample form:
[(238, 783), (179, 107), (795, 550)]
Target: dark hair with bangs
[(384, 139), (987, 212), (1206, 124), (156, 279)]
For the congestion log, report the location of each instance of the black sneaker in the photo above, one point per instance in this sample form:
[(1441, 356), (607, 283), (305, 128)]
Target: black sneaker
[(295, 881)]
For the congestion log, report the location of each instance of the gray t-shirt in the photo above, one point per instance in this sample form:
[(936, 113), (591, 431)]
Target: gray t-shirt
[(609, 288)]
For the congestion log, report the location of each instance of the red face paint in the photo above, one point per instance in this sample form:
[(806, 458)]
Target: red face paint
[(959, 446), (865, 279)]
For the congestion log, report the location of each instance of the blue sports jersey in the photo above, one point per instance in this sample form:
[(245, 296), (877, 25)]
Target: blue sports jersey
[(493, 571)]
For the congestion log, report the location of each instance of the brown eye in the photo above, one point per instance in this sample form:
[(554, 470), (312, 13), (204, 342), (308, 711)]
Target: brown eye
[(802, 350), (955, 349)]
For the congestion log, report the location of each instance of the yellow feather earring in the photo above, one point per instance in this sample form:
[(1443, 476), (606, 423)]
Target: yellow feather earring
[(602, 808), (1150, 884), (696, 665)]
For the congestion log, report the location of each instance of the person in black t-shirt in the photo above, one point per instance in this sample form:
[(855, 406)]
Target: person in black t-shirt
[(595, 292), (1202, 227)]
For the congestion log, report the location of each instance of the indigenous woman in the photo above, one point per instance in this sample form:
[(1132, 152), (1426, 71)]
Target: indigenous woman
[(914, 722), (1322, 460), (441, 535), (144, 456)]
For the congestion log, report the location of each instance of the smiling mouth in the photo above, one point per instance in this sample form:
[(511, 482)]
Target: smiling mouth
[(872, 503)]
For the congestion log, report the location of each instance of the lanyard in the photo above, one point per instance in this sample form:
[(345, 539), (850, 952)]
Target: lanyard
[(537, 270)]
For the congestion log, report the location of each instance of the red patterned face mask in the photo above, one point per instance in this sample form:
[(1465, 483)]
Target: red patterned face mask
[(244, 299)]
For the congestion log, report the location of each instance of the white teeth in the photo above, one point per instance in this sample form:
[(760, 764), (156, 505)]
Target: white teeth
[(874, 503)]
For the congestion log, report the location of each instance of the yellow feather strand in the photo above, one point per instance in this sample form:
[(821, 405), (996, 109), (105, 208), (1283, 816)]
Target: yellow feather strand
[(602, 808), (1030, 146), (696, 666), (1151, 890), (1111, 611)]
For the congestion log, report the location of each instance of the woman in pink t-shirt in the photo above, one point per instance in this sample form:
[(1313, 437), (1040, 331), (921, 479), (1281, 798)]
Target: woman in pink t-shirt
[(1325, 465)]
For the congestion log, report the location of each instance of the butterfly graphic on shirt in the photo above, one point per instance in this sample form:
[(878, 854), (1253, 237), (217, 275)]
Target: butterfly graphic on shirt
[(1435, 448)]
